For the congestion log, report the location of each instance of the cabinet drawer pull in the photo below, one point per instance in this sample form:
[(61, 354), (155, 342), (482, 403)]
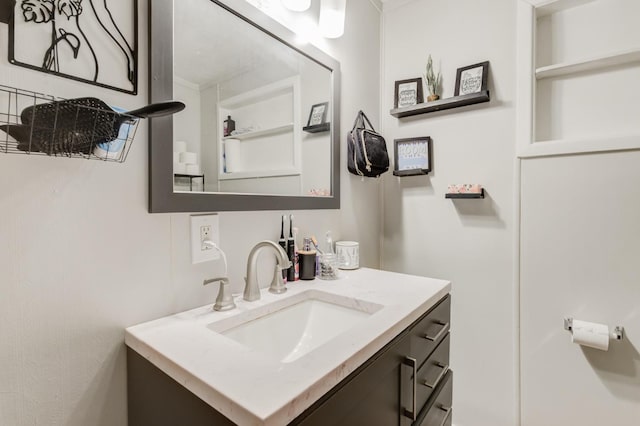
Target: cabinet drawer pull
[(413, 363), (435, 383), (443, 330), (447, 414)]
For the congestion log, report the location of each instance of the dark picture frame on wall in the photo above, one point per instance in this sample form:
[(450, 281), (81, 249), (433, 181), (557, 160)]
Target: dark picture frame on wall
[(472, 79), (317, 122), (318, 114), (412, 156), (408, 93)]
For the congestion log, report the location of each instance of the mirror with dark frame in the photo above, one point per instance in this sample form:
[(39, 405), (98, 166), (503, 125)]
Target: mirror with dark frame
[(260, 130)]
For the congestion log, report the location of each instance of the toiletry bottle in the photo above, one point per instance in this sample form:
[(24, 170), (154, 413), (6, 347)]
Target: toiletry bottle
[(283, 243), (228, 126), (291, 253), (296, 257), (329, 241), (307, 258)]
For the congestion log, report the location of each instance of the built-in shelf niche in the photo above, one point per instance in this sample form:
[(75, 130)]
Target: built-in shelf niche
[(268, 123), (577, 71)]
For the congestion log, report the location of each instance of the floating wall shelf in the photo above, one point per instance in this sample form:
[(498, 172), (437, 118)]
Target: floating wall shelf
[(442, 104), (466, 195), (318, 128)]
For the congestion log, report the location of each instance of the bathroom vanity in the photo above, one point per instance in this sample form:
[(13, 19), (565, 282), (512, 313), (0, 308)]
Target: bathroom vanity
[(370, 348)]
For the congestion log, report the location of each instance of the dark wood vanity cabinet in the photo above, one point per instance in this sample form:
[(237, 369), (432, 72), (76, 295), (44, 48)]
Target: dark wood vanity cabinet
[(406, 383)]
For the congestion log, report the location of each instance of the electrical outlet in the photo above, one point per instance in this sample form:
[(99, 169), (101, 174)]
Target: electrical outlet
[(204, 227), (205, 234)]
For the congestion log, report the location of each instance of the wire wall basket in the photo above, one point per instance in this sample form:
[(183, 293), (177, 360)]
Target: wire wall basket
[(35, 123)]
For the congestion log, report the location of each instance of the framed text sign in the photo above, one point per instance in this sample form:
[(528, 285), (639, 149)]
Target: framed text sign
[(408, 93), (412, 156), (472, 79)]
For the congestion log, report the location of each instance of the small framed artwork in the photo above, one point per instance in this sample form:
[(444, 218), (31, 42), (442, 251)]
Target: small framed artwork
[(412, 156), (318, 114), (408, 93), (472, 79)]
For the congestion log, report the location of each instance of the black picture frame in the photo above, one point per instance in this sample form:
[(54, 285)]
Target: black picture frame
[(408, 93), (468, 79), (318, 114), (416, 162)]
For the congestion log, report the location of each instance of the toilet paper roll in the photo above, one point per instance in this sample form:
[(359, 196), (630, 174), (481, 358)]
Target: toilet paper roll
[(193, 169), (188, 158), (232, 155), (179, 146), (180, 169), (590, 334)]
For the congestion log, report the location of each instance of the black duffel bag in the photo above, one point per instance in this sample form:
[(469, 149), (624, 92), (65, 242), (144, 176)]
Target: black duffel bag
[(367, 149)]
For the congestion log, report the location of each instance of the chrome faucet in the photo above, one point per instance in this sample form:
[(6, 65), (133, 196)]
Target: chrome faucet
[(224, 301), (251, 289)]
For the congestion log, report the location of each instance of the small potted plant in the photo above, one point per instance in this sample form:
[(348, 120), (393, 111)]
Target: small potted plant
[(433, 81)]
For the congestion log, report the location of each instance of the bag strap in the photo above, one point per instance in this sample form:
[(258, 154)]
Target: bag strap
[(367, 120), (358, 120)]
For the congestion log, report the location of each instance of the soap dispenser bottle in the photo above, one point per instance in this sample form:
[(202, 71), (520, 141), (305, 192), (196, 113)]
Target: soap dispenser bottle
[(228, 126)]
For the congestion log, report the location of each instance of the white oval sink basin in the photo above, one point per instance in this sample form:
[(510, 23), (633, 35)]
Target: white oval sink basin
[(296, 326)]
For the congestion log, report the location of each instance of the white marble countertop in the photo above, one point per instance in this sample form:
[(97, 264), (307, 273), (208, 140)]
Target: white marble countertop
[(252, 389)]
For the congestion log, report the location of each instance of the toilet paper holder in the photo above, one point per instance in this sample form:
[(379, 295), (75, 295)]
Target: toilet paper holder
[(617, 334)]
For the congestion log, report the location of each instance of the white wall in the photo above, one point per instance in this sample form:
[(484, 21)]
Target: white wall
[(579, 225), (580, 252), (82, 259), (188, 128), (466, 241)]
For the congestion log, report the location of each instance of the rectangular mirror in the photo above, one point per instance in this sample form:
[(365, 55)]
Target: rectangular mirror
[(260, 127)]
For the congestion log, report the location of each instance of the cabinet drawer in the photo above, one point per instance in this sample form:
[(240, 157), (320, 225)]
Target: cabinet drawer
[(429, 332), (438, 411), (432, 372)]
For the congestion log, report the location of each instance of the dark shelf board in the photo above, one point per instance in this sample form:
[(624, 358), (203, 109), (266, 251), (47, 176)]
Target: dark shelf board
[(467, 196), (324, 127), (182, 175), (442, 104)]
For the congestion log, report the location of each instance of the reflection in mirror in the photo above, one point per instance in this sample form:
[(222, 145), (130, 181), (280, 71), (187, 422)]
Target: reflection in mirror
[(258, 112)]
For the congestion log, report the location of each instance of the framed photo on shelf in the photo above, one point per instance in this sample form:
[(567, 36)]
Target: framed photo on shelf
[(412, 156), (408, 93), (318, 114), (472, 79)]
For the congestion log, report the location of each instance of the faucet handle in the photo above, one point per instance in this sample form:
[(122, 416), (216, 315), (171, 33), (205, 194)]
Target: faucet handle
[(224, 301), (277, 283)]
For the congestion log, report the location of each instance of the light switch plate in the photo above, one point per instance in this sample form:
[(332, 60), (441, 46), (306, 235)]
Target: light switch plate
[(201, 227)]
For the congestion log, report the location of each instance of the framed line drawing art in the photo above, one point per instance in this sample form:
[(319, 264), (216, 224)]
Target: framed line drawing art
[(318, 114), (472, 79), (91, 41), (412, 156), (408, 93)]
